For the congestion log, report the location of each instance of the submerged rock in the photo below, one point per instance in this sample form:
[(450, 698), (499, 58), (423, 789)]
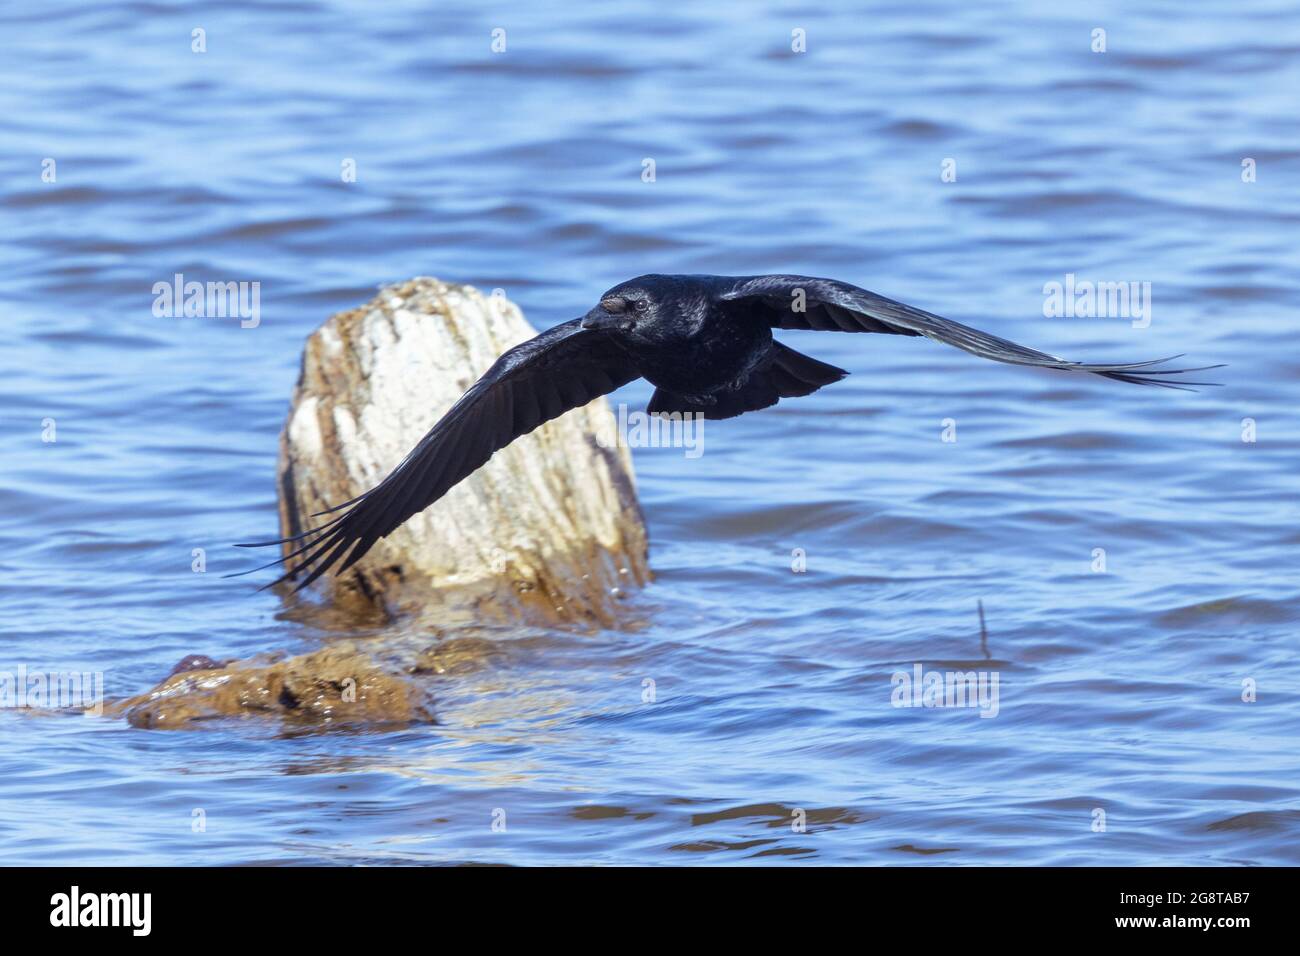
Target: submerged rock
[(334, 686)]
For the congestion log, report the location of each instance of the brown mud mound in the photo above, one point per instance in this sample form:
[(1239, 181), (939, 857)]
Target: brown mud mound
[(336, 686)]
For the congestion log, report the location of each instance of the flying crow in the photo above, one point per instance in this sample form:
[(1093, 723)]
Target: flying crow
[(705, 342)]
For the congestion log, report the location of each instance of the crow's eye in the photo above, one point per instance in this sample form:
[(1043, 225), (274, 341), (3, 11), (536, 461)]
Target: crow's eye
[(640, 305)]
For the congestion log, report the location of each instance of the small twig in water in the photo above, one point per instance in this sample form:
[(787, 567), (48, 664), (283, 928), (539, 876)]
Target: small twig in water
[(984, 634)]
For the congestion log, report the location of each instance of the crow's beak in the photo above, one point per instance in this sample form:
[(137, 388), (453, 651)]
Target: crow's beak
[(598, 318)]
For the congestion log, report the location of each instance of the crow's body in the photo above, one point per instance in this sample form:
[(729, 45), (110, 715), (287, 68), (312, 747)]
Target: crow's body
[(705, 343)]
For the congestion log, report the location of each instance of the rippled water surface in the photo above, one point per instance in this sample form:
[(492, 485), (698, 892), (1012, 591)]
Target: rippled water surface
[(1120, 691)]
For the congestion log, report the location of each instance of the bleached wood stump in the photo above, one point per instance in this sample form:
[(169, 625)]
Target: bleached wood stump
[(550, 527)]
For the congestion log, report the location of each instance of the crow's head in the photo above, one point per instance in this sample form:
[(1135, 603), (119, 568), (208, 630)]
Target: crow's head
[(646, 307)]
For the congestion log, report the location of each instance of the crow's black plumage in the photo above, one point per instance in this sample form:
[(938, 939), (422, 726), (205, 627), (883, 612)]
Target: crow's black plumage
[(705, 343)]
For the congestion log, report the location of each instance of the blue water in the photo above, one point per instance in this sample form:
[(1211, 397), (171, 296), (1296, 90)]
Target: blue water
[(1120, 691)]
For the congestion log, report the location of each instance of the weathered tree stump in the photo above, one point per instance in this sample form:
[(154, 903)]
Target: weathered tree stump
[(549, 528)]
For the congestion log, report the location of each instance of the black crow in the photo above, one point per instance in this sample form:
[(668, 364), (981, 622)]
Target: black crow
[(705, 343)]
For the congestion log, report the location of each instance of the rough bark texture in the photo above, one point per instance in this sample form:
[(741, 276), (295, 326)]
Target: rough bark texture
[(549, 528)]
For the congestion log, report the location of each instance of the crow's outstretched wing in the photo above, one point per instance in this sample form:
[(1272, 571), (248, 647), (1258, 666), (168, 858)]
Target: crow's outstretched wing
[(561, 369), (831, 306)]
